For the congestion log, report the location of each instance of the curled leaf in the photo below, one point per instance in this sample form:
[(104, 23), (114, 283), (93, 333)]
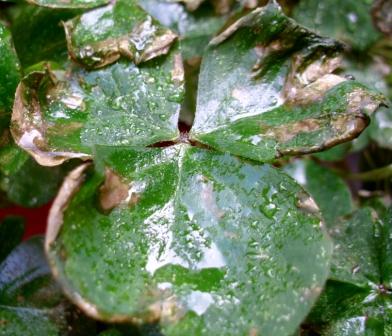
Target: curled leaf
[(123, 29), (208, 238), (277, 94)]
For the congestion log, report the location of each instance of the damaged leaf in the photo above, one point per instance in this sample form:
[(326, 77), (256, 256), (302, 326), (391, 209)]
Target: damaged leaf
[(63, 114), (31, 303), (100, 37), (68, 3), (357, 300), (9, 76), (277, 95), (211, 245)]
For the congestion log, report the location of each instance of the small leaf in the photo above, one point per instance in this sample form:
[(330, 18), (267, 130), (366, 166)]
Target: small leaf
[(195, 29), (276, 95), (62, 114), (203, 243), (100, 37), (38, 35), (349, 21), (69, 3), (31, 304), (9, 76), (24, 181), (11, 233), (358, 300)]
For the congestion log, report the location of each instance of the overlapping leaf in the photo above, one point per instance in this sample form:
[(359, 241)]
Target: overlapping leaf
[(100, 37), (69, 3), (276, 95), (201, 242), (9, 76), (31, 303), (358, 300)]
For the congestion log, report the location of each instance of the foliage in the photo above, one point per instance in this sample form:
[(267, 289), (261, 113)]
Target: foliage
[(227, 167)]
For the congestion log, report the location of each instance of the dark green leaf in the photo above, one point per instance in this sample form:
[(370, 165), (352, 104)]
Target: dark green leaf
[(9, 76), (24, 181), (348, 20), (123, 29), (38, 34), (62, 114), (30, 302), (201, 242), (359, 302), (11, 233), (275, 95)]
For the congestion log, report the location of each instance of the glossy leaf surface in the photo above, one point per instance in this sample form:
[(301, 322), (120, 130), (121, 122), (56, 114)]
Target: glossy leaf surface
[(276, 93), (201, 242), (349, 21), (9, 75), (123, 29), (62, 114)]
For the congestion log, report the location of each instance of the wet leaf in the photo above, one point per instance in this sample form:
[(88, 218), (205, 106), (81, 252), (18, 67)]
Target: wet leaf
[(276, 95), (358, 300), (24, 181), (9, 76), (204, 243), (69, 3), (62, 114), (349, 21), (100, 37), (11, 232), (31, 304)]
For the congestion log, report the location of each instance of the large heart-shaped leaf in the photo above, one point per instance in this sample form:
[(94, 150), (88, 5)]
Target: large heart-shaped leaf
[(100, 37), (62, 114), (349, 20), (9, 76), (31, 304), (358, 300), (276, 95), (201, 242)]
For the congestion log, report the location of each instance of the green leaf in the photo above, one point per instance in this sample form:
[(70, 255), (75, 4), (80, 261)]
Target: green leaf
[(358, 301), (24, 181), (38, 34), (62, 114), (330, 192), (275, 95), (11, 233), (69, 3), (30, 301), (195, 29), (201, 242), (349, 20), (101, 36), (9, 76)]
